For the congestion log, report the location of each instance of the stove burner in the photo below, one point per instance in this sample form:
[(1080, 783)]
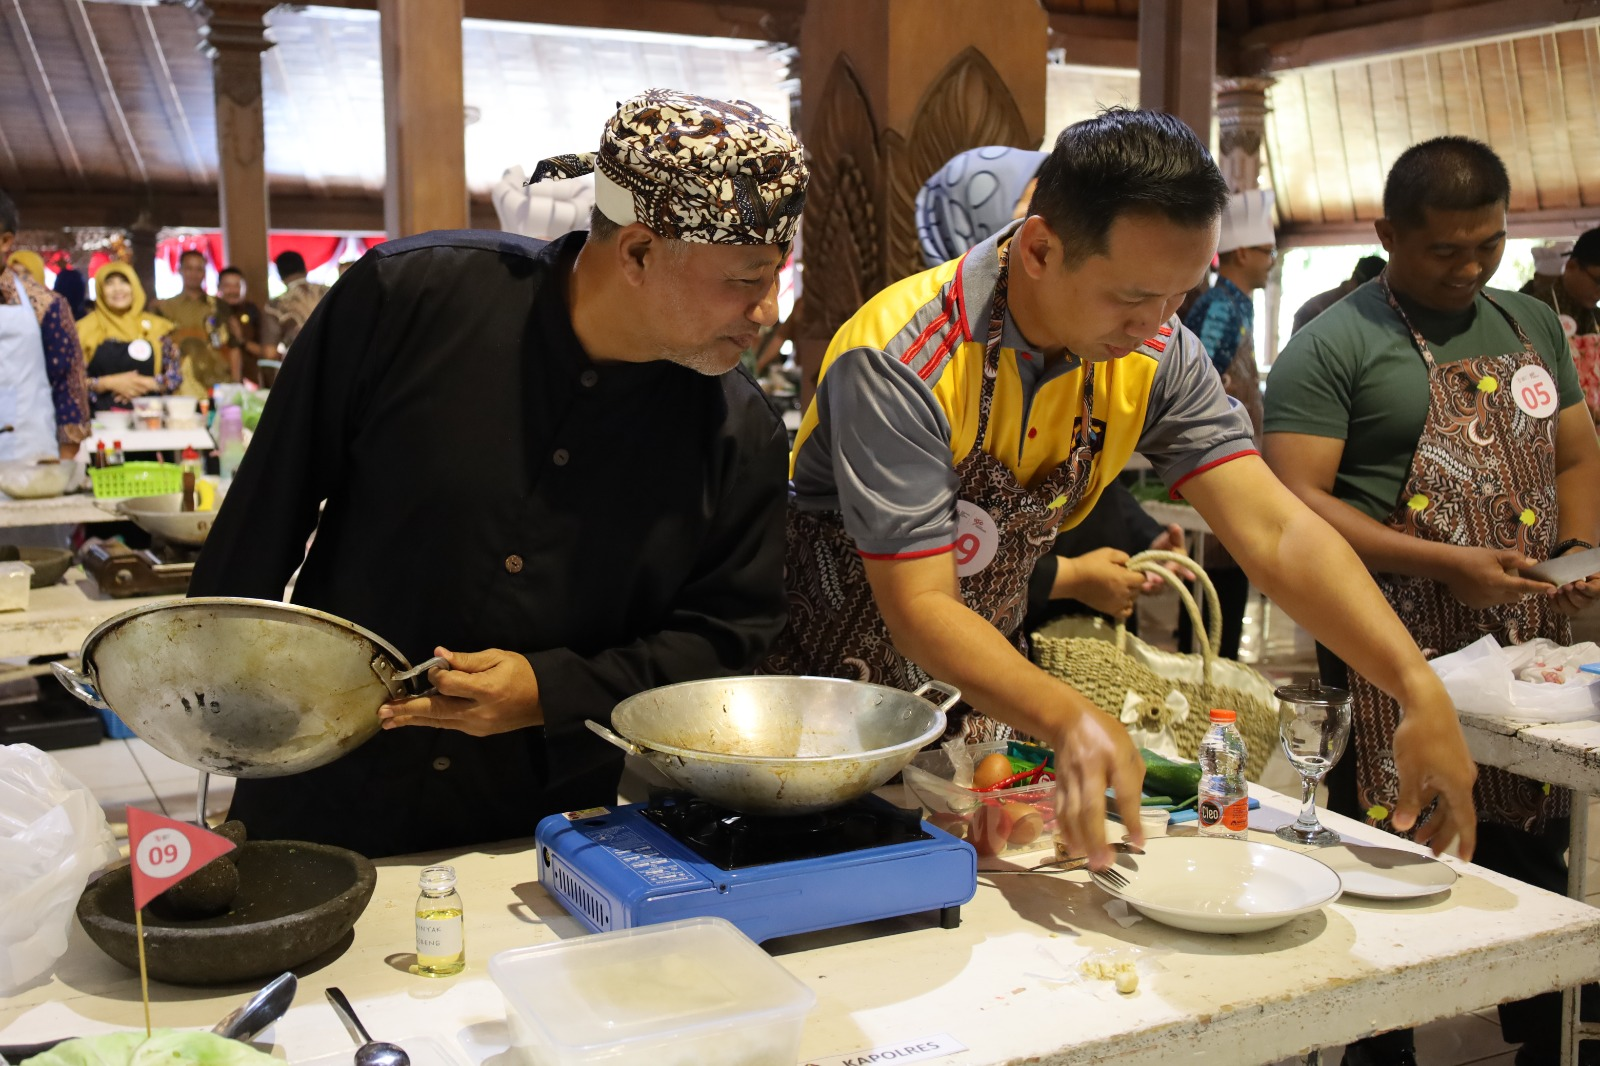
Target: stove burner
[(734, 841), (120, 571)]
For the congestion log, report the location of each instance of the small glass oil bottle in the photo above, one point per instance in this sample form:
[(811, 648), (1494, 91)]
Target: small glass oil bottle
[(441, 947)]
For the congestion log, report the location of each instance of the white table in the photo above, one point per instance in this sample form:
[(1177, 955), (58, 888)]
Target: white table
[(59, 617), (78, 508), (148, 440), (1003, 984), (1564, 755)]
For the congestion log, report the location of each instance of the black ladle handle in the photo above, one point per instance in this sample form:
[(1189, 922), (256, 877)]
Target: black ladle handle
[(348, 1013)]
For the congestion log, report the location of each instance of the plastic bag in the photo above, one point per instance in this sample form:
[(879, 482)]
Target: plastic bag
[(1482, 678), (53, 836)]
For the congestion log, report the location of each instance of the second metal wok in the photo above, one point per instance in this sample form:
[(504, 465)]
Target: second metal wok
[(778, 745), (242, 687), (165, 517)]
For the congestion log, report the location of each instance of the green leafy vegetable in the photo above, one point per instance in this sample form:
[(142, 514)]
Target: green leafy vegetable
[(165, 1047)]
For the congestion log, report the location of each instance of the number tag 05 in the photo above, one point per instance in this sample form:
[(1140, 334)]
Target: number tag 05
[(1534, 391)]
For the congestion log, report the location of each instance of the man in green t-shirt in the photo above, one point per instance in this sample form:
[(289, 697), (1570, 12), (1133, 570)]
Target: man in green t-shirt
[(1438, 425)]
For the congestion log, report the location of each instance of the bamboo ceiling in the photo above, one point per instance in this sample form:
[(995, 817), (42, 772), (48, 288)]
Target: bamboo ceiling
[(1333, 133), (104, 99)]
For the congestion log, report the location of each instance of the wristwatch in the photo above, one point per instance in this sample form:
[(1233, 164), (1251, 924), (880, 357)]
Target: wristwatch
[(1567, 545)]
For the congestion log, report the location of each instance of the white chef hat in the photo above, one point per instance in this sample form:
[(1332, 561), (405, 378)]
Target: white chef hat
[(1247, 223)]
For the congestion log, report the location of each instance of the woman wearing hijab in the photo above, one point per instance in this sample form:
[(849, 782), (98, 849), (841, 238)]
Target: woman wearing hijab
[(974, 196), (129, 350), (27, 261)]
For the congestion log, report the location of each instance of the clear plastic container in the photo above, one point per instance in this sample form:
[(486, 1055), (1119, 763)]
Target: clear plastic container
[(996, 823), (14, 579), (696, 992)]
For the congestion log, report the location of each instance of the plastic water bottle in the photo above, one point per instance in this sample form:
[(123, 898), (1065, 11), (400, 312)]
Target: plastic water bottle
[(1224, 801), (230, 441)]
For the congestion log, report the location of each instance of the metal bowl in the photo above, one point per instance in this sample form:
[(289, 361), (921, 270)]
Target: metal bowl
[(164, 517), (241, 687), (296, 900), (778, 745)]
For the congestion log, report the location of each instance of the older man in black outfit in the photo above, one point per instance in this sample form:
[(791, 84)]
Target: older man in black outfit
[(542, 450)]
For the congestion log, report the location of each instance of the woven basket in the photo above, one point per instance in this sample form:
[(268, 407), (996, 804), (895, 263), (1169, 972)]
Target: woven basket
[(1106, 664)]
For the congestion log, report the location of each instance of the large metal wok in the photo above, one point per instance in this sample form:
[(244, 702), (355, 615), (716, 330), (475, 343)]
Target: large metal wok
[(242, 687), (778, 745), (164, 516)]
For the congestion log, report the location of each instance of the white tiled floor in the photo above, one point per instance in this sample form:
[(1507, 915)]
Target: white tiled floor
[(130, 773)]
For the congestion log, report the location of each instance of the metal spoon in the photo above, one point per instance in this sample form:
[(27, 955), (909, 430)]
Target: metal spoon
[(260, 1011), (372, 1052)]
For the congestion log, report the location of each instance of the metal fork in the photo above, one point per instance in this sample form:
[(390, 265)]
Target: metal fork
[(1111, 876)]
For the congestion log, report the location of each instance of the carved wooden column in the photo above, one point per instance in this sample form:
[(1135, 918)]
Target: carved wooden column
[(142, 247), (233, 36), (890, 95), (1241, 124), (1178, 59), (425, 186)]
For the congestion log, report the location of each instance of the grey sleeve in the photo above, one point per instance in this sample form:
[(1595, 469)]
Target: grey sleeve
[(881, 455), (1190, 423)]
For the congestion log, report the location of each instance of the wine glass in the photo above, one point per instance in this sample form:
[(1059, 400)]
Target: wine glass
[(1313, 725)]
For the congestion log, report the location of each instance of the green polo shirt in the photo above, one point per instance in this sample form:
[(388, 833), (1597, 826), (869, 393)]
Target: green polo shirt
[(1352, 373)]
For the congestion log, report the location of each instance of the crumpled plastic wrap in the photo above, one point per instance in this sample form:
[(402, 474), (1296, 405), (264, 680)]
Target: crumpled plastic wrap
[(53, 837), (1534, 682)]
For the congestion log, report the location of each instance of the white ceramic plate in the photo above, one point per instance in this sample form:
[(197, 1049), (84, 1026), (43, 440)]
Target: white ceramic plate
[(1217, 885), (1387, 873)]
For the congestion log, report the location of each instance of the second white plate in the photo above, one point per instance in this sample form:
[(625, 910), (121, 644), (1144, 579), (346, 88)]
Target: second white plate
[(1387, 873)]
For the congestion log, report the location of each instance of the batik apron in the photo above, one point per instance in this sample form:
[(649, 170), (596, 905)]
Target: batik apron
[(1004, 527), (1483, 476), (26, 404)]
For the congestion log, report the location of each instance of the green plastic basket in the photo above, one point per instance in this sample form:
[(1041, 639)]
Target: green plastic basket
[(136, 479)]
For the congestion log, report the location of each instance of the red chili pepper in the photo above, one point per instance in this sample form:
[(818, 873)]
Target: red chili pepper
[(1028, 776)]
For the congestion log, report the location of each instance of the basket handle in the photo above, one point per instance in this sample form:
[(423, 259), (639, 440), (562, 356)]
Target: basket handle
[(1155, 562)]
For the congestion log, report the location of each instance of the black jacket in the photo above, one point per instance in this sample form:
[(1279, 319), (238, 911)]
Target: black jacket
[(487, 485)]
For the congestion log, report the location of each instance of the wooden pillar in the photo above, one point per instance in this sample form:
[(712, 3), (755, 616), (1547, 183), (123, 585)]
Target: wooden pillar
[(889, 96), (425, 186), (1241, 125), (233, 36), (1178, 59), (142, 247)]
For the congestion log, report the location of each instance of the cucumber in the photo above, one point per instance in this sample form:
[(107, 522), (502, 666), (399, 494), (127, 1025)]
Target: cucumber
[(1163, 776)]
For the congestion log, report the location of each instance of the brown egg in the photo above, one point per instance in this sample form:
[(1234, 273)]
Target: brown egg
[(991, 828), (992, 768), (1026, 823), (954, 824)]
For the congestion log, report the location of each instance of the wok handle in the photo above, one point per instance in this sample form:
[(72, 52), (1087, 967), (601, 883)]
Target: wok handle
[(414, 682), (611, 738), (951, 694), (79, 685)]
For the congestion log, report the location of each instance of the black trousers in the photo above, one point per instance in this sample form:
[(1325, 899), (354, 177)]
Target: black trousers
[(1233, 592), (1535, 859)]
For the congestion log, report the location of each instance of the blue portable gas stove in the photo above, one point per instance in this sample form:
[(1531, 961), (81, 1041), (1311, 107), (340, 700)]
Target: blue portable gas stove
[(682, 857)]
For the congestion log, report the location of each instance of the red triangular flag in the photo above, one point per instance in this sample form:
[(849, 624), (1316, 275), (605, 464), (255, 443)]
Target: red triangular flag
[(164, 851)]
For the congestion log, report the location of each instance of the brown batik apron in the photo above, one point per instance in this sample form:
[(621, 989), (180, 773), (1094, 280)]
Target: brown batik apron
[(835, 628), (1483, 476)]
